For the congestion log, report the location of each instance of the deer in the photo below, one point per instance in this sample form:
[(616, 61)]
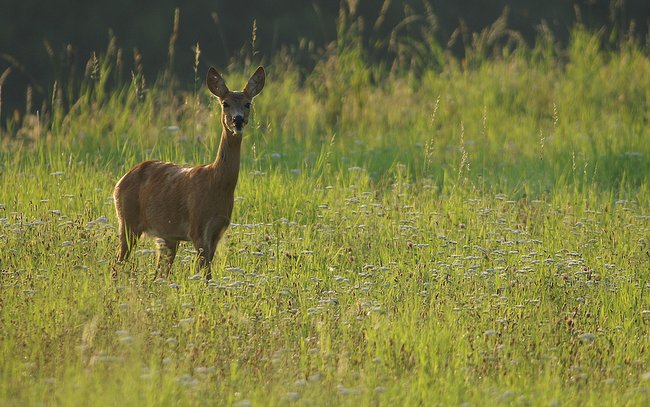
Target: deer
[(175, 203)]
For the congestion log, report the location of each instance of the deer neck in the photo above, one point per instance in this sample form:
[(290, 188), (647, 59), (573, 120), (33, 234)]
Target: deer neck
[(226, 165)]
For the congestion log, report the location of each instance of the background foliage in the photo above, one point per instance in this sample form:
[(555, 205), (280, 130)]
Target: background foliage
[(47, 42)]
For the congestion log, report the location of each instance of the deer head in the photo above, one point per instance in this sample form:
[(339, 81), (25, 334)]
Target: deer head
[(235, 105)]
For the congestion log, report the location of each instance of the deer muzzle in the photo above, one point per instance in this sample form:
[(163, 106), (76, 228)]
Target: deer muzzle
[(238, 121)]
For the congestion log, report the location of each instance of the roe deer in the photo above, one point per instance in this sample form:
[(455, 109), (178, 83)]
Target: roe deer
[(175, 203)]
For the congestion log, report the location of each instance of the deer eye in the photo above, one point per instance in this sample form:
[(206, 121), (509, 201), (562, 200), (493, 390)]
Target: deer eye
[(247, 105), (225, 104)]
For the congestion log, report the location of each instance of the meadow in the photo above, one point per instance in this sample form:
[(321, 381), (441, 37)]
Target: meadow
[(433, 232)]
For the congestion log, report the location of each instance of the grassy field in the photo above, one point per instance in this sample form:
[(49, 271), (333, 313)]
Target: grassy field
[(455, 233)]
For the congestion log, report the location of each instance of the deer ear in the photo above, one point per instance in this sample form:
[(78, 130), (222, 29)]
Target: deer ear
[(216, 84), (255, 83)]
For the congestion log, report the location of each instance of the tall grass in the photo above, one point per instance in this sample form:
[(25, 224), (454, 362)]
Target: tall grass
[(459, 231)]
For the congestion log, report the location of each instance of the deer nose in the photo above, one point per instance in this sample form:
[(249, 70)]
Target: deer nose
[(238, 120)]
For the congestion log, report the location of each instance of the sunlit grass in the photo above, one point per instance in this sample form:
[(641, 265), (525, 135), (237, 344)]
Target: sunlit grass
[(465, 236)]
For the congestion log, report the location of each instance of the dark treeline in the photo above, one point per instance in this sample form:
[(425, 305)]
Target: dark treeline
[(42, 42)]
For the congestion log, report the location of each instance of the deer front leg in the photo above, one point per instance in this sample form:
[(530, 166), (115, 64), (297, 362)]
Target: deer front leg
[(207, 246), (206, 254), (166, 254)]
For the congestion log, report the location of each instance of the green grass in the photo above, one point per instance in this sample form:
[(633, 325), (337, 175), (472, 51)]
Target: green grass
[(471, 234)]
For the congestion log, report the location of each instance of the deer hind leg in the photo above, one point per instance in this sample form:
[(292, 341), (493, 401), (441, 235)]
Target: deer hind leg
[(128, 240), (166, 253)]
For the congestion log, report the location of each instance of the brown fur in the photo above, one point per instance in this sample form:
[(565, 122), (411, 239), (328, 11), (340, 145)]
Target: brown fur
[(175, 203)]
